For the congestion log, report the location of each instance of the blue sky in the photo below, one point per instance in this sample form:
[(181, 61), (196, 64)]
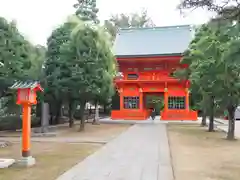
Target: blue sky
[(36, 19)]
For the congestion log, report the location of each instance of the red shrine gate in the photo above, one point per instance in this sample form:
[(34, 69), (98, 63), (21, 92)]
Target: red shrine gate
[(147, 57)]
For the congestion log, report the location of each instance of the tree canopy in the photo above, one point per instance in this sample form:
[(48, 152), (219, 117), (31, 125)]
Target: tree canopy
[(87, 10), (214, 69), (229, 9), (80, 65), (117, 21), (16, 55)]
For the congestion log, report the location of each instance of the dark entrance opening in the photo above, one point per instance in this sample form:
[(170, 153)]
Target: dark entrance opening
[(154, 100)]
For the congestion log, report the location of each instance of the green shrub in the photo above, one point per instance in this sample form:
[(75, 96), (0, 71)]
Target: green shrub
[(15, 122)]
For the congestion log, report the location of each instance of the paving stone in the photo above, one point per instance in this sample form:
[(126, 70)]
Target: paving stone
[(140, 153), (5, 163)]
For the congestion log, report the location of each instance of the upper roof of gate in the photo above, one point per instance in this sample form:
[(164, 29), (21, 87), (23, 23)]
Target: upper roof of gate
[(154, 41)]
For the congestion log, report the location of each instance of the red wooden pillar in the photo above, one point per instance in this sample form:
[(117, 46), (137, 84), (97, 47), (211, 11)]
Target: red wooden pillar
[(121, 99), (187, 99), (165, 99), (26, 130), (140, 99)]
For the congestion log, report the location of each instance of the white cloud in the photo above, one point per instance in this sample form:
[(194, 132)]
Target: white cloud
[(36, 19)]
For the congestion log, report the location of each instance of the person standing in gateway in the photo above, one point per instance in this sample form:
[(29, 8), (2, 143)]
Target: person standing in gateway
[(153, 113)]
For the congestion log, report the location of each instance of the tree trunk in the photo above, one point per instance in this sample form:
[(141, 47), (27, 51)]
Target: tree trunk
[(51, 120), (58, 112), (211, 115), (87, 115), (231, 122), (70, 114), (61, 111), (105, 109), (82, 118), (204, 118), (38, 109), (90, 111), (51, 113), (96, 117)]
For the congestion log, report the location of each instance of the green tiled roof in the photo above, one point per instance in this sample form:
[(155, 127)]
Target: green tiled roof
[(25, 84), (167, 40)]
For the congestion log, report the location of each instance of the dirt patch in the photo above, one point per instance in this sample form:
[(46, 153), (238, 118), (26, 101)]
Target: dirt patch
[(202, 155), (92, 133), (52, 159), (105, 131)]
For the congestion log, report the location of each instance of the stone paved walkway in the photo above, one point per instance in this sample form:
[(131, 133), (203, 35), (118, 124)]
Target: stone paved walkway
[(140, 153)]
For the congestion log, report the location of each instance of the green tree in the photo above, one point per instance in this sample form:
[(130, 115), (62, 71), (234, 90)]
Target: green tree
[(214, 68), (108, 63), (88, 64), (37, 57), (54, 91), (229, 68), (202, 57), (14, 55), (20, 60), (189, 57), (135, 20), (228, 9), (87, 10), (89, 46)]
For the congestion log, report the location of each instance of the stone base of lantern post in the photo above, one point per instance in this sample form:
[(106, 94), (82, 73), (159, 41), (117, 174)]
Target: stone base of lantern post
[(26, 162)]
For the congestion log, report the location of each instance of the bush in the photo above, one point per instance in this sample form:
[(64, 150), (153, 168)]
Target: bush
[(15, 122)]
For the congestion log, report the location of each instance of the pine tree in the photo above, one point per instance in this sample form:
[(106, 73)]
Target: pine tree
[(87, 10)]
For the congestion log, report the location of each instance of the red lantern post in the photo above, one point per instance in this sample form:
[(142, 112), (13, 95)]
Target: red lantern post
[(26, 96)]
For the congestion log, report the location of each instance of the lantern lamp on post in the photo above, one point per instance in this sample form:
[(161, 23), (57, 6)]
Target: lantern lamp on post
[(26, 96)]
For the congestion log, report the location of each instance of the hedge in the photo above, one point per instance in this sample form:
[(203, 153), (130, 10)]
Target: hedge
[(15, 122)]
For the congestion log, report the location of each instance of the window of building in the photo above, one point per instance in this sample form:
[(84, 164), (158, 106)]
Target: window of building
[(132, 76), (131, 102), (176, 102)]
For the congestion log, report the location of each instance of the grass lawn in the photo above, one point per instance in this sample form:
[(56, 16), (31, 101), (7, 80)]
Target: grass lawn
[(54, 158), (201, 155)]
